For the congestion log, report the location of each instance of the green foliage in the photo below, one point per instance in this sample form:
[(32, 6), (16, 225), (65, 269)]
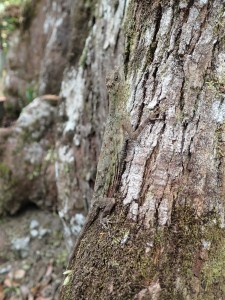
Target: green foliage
[(9, 20), (9, 2), (61, 258), (25, 98), (14, 14), (4, 171), (29, 94), (12, 289)]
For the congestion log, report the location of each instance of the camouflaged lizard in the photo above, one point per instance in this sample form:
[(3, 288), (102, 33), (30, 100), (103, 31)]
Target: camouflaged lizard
[(117, 134)]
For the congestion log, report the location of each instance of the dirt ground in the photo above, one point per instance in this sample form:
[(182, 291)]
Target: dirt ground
[(33, 255)]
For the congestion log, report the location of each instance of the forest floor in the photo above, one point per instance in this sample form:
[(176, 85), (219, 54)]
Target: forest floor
[(33, 255)]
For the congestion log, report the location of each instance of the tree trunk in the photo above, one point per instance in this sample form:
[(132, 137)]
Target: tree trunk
[(165, 237)]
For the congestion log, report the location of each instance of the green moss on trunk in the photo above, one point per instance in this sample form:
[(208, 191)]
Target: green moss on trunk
[(187, 258)]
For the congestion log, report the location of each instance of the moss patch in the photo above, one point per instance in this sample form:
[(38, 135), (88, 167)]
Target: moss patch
[(213, 273), (107, 268), (4, 171)]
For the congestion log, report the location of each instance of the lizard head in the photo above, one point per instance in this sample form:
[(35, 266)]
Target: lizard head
[(113, 79), (115, 83)]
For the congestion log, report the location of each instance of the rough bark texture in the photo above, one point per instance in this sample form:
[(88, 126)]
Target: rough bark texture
[(35, 65), (84, 107), (27, 159), (166, 236), (38, 52)]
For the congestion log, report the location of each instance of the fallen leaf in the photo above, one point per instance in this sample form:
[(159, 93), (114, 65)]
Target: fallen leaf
[(8, 282), (49, 270), (19, 274), (66, 280), (24, 291), (36, 289), (67, 272)]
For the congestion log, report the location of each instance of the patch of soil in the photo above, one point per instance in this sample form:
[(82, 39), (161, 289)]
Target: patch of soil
[(33, 256)]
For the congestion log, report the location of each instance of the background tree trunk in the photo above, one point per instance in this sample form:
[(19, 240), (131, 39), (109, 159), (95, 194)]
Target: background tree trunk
[(165, 239), (96, 48)]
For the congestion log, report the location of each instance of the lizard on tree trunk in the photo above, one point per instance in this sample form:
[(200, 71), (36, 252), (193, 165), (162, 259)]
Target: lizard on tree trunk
[(117, 135)]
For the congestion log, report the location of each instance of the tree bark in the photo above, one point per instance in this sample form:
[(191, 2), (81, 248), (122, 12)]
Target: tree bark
[(165, 239)]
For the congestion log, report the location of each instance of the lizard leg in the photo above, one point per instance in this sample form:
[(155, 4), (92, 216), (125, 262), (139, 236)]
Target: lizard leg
[(110, 204)]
